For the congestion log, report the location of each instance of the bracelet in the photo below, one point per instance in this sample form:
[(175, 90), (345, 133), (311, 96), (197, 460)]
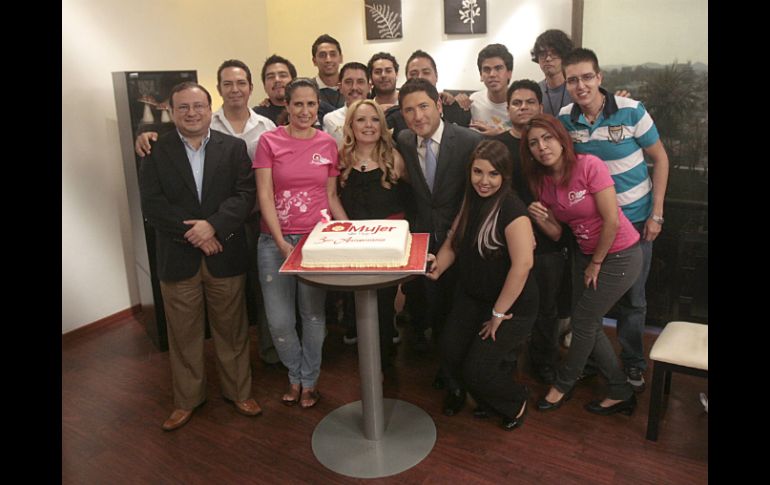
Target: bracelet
[(497, 315), (598, 263)]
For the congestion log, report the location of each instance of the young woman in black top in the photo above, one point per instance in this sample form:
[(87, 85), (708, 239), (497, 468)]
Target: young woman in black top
[(496, 300)]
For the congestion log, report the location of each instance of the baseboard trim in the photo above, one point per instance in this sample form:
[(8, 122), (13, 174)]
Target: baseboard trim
[(101, 324)]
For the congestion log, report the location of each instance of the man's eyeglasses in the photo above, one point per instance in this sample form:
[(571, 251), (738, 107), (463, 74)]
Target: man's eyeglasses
[(197, 107), (586, 78), (542, 55)]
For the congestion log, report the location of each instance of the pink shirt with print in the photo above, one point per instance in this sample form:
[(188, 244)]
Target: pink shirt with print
[(576, 205), (301, 169)]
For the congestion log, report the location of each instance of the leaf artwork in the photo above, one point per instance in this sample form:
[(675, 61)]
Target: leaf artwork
[(469, 11), (388, 22)]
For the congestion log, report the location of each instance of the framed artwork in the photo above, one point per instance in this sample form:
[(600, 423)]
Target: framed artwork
[(383, 19), (465, 16)]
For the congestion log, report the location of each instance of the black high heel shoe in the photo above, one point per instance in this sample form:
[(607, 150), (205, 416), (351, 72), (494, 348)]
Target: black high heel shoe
[(626, 407), (509, 424), (544, 405)]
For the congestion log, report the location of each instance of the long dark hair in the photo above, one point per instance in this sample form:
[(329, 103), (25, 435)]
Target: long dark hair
[(485, 239), (536, 171)]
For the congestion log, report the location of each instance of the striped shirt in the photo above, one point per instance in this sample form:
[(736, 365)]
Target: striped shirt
[(618, 136)]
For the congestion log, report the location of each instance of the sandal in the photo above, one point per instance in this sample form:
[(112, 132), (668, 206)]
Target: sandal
[(310, 398), (292, 397)]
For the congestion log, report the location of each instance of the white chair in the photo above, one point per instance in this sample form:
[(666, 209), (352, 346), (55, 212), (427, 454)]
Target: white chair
[(680, 347)]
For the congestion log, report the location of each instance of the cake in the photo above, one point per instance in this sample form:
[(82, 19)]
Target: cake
[(357, 244)]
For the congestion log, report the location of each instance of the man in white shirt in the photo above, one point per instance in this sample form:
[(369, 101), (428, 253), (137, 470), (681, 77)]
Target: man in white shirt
[(234, 117), (354, 85), (489, 108), (237, 119)]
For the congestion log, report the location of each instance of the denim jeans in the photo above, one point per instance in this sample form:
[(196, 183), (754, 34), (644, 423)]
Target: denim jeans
[(632, 311), (279, 293), (617, 274)]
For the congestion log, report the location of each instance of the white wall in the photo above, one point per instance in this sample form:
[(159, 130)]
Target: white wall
[(98, 37), (101, 36), (656, 31), (515, 23)]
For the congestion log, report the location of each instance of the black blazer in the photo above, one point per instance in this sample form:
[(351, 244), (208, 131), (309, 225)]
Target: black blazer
[(434, 212), (169, 197)]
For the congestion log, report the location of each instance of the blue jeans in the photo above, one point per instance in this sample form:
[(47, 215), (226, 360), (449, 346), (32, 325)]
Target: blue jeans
[(279, 293), (632, 309)]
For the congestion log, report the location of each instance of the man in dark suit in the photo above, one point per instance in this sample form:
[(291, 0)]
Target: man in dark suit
[(436, 155), (197, 188)]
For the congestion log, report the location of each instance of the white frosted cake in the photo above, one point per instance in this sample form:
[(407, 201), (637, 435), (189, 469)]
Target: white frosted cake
[(357, 244)]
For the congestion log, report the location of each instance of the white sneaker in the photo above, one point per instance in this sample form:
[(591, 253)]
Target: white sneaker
[(566, 341)]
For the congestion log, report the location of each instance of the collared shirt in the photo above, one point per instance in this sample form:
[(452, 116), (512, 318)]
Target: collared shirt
[(435, 147), (334, 123), (196, 159), (330, 94), (618, 136), (322, 85), (255, 126)]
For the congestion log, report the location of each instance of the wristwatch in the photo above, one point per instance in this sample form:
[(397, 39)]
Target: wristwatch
[(657, 219)]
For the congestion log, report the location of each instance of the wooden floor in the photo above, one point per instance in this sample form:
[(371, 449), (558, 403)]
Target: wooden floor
[(116, 391)]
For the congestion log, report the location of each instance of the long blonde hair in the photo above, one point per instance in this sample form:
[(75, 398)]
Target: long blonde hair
[(383, 151)]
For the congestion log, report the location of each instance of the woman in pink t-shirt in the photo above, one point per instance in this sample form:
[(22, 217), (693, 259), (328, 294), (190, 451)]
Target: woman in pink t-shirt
[(578, 190), (296, 168)]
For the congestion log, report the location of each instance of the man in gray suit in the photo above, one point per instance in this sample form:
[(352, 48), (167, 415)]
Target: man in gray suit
[(436, 156)]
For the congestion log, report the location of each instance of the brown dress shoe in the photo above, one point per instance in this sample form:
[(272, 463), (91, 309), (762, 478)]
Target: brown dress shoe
[(249, 407), (178, 418)]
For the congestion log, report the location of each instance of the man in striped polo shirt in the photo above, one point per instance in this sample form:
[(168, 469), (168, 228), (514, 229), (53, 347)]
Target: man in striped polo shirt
[(622, 133)]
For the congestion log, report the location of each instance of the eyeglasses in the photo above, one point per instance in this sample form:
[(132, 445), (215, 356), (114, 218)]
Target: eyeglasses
[(197, 107), (542, 55), (586, 78)]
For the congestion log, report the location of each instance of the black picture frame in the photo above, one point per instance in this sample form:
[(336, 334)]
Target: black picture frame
[(468, 17), (383, 19)]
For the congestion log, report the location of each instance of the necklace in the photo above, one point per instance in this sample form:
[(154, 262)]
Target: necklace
[(548, 97), (594, 117), (363, 167)]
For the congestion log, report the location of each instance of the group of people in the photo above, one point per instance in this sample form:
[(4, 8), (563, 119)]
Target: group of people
[(499, 180)]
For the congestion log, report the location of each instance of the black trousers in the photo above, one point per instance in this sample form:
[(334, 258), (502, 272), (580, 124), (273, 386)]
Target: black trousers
[(428, 302), (544, 347), (485, 368)]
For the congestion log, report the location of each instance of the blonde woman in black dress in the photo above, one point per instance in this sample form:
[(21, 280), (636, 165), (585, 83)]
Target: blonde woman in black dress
[(371, 187)]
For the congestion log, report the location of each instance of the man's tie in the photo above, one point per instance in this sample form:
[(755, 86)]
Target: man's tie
[(430, 163)]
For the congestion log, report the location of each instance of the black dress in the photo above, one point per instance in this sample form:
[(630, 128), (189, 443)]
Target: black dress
[(485, 367), (364, 197)]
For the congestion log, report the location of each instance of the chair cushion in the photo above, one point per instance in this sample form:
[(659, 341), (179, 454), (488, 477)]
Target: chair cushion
[(683, 343)]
